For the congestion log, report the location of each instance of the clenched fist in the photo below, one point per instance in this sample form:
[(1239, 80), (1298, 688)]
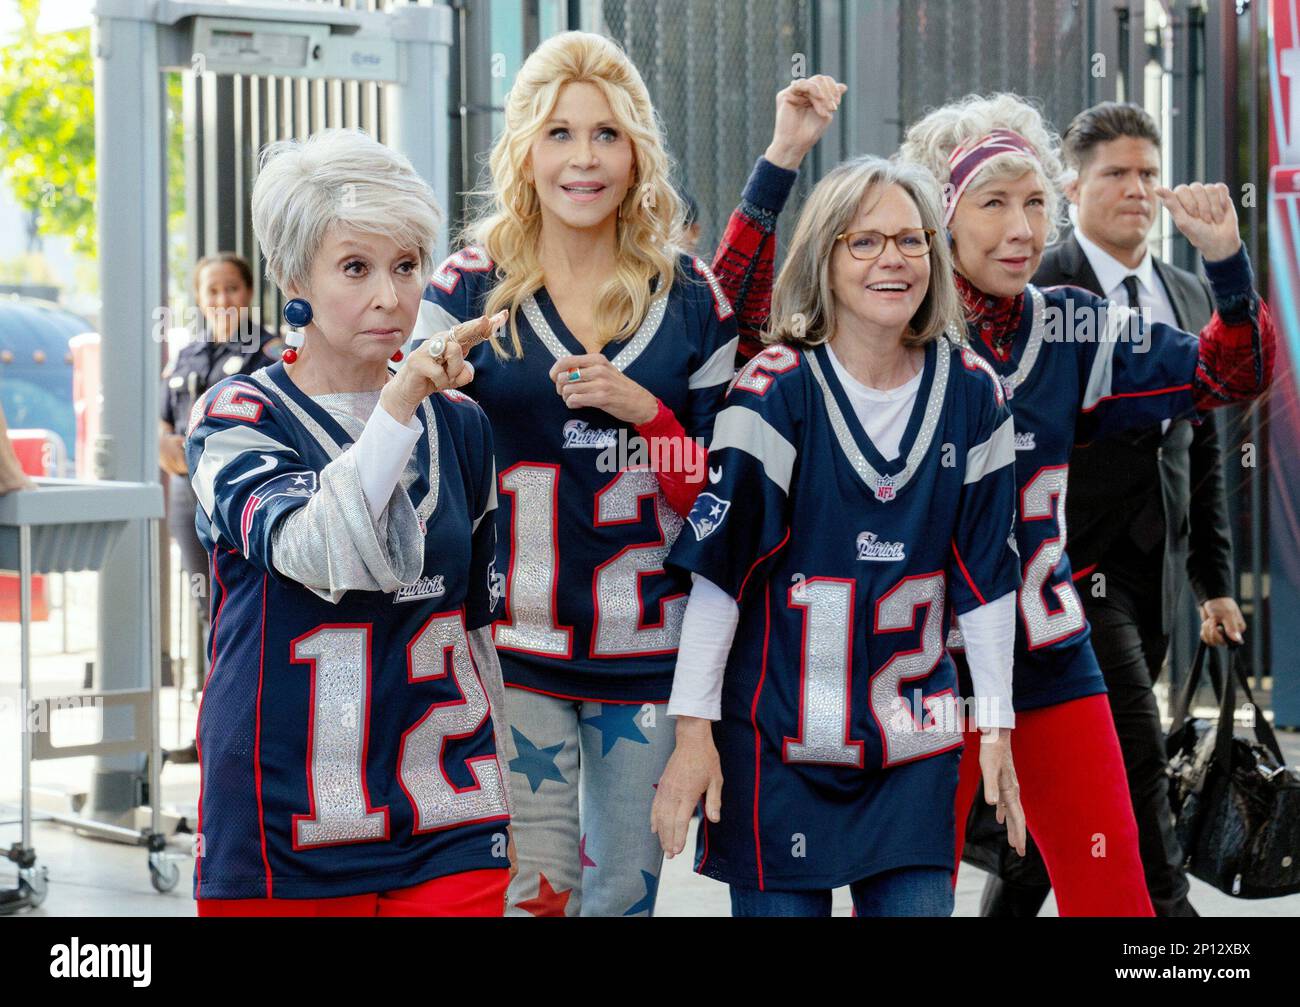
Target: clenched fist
[(1206, 216)]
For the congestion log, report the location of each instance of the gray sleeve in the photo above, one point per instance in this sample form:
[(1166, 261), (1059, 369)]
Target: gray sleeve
[(332, 546), (484, 652)]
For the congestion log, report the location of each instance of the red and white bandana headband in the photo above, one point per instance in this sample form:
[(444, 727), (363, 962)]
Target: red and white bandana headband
[(966, 160)]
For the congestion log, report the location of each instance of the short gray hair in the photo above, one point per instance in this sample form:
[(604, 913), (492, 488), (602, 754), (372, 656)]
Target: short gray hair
[(337, 177), (803, 306)]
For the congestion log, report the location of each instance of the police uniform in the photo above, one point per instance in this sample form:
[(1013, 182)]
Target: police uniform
[(195, 369)]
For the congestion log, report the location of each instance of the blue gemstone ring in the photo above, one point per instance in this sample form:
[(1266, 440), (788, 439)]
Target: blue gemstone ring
[(575, 374), (297, 312)]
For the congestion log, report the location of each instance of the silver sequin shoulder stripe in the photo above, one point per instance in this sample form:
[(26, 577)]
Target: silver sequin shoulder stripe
[(331, 447), (929, 423), (623, 359), (1027, 360)]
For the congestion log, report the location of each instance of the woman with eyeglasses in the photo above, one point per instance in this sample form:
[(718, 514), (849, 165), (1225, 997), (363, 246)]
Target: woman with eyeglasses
[(1074, 368), (861, 482)]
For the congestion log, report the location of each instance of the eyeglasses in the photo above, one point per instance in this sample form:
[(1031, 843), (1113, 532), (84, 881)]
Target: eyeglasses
[(913, 242)]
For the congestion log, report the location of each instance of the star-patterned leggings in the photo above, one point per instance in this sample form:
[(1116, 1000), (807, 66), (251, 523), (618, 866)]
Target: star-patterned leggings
[(583, 777)]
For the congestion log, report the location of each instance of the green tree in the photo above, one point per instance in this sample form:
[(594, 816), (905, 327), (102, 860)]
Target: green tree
[(47, 127)]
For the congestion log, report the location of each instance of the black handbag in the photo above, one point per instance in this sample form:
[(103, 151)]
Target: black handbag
[(1235, 800)]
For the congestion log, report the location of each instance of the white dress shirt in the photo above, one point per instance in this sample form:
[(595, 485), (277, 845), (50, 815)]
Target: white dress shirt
[(1110, 273)]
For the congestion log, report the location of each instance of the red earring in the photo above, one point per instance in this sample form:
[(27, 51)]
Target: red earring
[(396, 356)]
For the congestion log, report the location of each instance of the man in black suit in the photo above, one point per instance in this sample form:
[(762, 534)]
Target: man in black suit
[(1142, 508)]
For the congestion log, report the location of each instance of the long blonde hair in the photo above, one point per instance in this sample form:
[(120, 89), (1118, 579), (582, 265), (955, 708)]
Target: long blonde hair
[(508, 227)]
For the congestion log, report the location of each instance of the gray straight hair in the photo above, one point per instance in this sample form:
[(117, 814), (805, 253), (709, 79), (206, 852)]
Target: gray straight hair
[(803, 306)]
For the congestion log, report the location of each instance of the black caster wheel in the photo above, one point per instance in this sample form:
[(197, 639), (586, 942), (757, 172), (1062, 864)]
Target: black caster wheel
[(163, 874), (34, 884)]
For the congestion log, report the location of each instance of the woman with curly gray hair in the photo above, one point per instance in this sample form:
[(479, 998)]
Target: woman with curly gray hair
[(1074, 368), (997, 161)]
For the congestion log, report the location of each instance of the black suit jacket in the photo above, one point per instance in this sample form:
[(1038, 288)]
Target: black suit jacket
[(1137, 490)]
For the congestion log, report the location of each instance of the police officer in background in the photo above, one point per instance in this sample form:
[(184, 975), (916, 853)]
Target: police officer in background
[(227, 342)]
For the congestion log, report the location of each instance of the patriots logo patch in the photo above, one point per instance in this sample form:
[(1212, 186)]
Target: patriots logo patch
[(292, 484), (709, 512)]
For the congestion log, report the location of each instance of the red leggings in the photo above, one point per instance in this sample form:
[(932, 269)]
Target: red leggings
[(1075, 794), (470, 893)]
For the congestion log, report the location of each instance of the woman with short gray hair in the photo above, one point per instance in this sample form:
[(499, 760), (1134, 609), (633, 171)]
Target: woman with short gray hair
[(346, 737)]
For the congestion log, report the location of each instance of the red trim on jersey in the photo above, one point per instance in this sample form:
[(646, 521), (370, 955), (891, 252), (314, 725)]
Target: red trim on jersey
[(586, 699), (1084, 572), (966, 573), (1171, 389), (198, 744), (1228, 366), (257, 744), (753, 721), (972, 361), (760, 559), (246, 519)]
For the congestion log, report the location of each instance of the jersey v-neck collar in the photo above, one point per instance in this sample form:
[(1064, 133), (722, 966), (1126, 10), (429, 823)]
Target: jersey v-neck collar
[(551, 331), (333, 439), (1025, 347), (884, 478)]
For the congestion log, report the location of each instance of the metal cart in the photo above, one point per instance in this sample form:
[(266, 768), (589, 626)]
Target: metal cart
[(67, 525)]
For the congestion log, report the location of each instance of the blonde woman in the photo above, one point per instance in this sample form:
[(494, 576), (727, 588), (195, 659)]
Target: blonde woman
[(865, 484), (618, 352)]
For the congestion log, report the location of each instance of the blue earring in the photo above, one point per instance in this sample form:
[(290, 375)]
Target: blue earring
[(297, 312)]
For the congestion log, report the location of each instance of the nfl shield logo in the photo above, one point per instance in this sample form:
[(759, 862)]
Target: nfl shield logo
[(1008, 386), (885, 489)]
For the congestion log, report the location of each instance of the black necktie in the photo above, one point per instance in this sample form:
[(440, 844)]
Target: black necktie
[(1131, 288), (1147, 528)]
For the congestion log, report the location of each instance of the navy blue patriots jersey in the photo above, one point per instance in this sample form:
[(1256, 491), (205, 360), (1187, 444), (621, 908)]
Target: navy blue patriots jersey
[(346, 748), (582, 533), (1080, 368), (840, 731)]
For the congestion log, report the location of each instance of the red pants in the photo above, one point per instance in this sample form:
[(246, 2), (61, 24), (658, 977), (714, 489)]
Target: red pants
[(1075, 794), (470, 893)]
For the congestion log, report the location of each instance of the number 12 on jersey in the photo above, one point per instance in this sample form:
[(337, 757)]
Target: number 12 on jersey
[(827, 662)]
